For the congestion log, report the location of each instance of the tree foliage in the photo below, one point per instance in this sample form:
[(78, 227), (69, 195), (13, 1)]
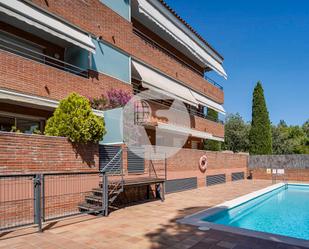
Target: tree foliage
[(260, 133), (236, 136), (212, 115), (73, 118), (290, 139), (212, 145)]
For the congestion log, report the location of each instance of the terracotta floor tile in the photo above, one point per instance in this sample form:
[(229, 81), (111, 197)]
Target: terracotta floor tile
[(151, 225)]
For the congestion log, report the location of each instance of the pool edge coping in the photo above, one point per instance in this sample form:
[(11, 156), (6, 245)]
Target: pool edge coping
[(196, 218)]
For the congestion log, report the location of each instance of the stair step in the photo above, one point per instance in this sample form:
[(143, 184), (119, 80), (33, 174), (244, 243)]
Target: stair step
[(98, 191), (94, 198), (86, 207), (110, 184), (111, 200)]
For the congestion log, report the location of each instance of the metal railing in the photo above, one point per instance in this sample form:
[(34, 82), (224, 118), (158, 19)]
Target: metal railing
[(29, 199), (112, 180), (63, 192), (175, 57), (17, 201), (42, 58), (212, 81)]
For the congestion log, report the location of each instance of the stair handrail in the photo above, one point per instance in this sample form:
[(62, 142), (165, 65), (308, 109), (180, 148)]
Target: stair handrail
[(112, 168), (153, 169), (104, 170)]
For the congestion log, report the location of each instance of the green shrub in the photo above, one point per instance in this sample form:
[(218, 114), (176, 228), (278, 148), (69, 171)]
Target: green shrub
[(74, 119)]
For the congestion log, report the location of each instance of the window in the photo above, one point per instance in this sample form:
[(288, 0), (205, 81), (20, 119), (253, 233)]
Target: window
[(21, 124), (6, 123), (28, 126)]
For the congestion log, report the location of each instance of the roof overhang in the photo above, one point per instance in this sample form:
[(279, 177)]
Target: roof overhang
[(42, 20), (33, 101), (156, 17)]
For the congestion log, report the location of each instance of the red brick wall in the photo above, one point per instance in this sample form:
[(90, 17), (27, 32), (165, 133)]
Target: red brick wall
[(96, 18), (158, 59), (215, 128), (20, 74), (36, 153), (186, 164)]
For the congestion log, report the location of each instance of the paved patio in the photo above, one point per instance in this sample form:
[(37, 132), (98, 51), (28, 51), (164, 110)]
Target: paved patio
[(149, 225)]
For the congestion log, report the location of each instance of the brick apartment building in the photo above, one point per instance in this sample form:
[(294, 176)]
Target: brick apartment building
[(49, 49), (52, 48)]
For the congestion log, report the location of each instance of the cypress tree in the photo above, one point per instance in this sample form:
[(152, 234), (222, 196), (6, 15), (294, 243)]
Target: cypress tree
[(260, 133)]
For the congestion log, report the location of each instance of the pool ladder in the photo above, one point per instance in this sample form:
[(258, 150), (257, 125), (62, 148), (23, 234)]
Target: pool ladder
[(285, 181)]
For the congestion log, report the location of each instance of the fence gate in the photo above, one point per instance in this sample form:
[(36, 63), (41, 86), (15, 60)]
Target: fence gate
[(17, 201)]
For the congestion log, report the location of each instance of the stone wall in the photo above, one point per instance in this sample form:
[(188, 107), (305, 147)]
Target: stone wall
[(296, 166)]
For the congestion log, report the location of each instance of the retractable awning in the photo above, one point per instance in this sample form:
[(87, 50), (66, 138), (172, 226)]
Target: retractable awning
[(156, 81), (179, 33), (187, 131), (44, 21), (33, 101), (207, 102)]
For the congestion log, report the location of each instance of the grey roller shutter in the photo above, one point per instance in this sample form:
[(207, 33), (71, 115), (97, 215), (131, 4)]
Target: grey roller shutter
[(180, 184), (236, 176), (215, 179), (136, 161)]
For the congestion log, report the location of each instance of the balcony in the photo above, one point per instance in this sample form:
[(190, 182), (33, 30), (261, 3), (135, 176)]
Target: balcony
[(152, 53), (23, 49), (198, 120)]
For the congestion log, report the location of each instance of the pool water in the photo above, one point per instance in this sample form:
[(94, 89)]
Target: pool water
[(284, 211)]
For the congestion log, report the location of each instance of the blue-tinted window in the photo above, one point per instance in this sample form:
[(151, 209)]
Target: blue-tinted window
[(122, 7), (110, 61)]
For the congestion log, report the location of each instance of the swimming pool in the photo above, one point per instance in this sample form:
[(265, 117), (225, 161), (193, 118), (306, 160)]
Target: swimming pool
[(282, 209)]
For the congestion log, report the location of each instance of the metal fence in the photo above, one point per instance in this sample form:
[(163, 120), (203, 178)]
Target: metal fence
[(17, 201), (34, 198)]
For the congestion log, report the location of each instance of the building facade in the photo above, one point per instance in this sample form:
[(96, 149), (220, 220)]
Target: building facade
[(49, 49)]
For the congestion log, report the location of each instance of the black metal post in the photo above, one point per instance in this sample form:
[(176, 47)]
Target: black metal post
[(105, 194), (43, 197), (37, 201), (165, 166)]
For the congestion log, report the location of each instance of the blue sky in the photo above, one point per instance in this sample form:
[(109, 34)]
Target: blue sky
[(260, 40)]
